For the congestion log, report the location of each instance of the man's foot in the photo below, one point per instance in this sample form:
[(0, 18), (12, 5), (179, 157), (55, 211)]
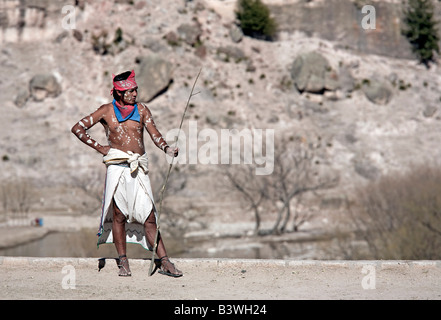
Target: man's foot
[(167, 268), (123, 265)]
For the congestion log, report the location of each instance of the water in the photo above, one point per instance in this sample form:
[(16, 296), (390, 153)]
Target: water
[(70, 244), (83, 244)]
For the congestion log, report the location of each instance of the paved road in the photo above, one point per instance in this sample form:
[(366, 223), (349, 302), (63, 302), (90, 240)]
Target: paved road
[(220, 279)]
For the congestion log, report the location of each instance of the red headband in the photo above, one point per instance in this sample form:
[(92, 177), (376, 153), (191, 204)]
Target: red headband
[(124, 85)]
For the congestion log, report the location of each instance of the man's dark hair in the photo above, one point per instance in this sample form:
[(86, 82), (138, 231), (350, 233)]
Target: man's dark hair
[(123, 76), (119, 77)]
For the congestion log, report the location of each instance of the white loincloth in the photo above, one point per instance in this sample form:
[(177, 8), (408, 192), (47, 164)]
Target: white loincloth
[(128, 184)]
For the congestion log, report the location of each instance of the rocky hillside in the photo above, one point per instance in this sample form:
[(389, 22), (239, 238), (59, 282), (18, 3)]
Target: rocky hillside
[(358, 95)]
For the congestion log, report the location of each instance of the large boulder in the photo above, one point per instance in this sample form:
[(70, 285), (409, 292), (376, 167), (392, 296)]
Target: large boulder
[(44, 85), (22, 97), (230, 53), (153, 77), (365, 167), (377, 91), (236, 33), (190, 33), (311, 72)]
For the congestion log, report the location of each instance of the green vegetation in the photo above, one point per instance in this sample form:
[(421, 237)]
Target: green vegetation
[(421, 29), (118, 36), (255, 19)]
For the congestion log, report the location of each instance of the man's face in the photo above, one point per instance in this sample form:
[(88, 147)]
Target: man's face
[(129, 96)]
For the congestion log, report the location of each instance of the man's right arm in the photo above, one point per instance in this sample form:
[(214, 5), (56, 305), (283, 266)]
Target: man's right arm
[(81, 127)]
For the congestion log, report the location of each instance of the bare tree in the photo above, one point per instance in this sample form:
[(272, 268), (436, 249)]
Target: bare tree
[(17, 197), (252, 188), (92, 185), (179, 215), (295, 174)]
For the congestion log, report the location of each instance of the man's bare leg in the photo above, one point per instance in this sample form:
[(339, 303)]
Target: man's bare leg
[(167, 267), (119, 238)]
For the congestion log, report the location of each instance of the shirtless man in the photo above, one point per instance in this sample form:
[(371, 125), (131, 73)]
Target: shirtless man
[(124, 121)]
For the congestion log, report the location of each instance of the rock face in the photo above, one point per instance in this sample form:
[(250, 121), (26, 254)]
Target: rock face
[(154, 76), (365, 114), (340, 21), (28, 20), (334, 20)]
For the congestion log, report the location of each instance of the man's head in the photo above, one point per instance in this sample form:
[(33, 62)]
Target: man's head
[(125, 87)]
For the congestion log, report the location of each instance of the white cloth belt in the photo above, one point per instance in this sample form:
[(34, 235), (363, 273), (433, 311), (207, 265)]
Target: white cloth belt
[(134, 160)]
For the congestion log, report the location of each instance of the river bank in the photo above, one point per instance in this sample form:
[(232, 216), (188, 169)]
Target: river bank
[(15, 236), (75, 236), (42, 242), (15, 233)]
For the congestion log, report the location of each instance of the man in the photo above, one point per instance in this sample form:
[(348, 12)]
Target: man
[(128, 196)]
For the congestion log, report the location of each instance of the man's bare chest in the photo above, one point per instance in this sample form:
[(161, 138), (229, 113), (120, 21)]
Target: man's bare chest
[(128, 127)]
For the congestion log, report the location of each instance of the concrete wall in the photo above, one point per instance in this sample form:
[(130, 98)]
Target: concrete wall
[(340, 21)]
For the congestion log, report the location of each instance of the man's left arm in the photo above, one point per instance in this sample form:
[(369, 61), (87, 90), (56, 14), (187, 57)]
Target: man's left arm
[(156, 136)]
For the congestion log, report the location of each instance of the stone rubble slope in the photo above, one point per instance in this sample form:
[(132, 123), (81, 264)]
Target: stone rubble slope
[(370, 114)]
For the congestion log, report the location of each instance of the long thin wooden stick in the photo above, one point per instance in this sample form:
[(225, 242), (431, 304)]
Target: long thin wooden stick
[(168, 174)]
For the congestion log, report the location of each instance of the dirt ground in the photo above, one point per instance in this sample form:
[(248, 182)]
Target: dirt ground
[(216, 279), (220, 279)]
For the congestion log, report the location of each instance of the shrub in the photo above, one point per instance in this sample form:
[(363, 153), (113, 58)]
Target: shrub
[(421, 29), (17, 196), (255, 19), (118, 36), (399, 216)]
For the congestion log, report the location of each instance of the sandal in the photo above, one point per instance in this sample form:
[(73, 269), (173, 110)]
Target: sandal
[(168, 270), (123, 265)]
